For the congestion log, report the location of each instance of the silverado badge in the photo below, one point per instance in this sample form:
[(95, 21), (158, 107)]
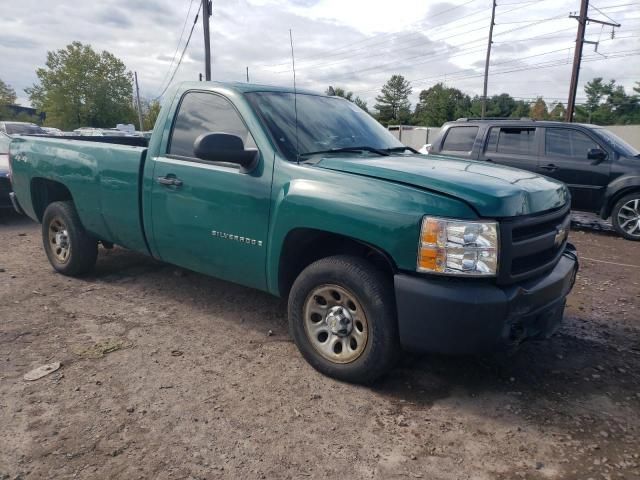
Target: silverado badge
[(236, 238)]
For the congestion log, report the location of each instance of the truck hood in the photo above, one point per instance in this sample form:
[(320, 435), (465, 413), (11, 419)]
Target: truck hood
[(492, 190)]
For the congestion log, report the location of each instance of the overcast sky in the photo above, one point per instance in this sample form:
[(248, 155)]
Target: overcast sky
[(354, 44)]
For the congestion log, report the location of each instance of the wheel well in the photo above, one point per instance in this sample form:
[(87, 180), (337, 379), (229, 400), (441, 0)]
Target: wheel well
[(304, 246), (45, 192), (617, 196)]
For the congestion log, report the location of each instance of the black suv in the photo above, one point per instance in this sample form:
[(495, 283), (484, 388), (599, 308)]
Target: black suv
[(601, 170)]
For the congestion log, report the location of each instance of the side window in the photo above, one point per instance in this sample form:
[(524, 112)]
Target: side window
[(566, 142), (200, 113), (512, 140), (460, 139)]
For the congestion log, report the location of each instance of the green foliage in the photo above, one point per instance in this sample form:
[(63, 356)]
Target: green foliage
[(81, 87), (7, 94), (503, 105), (341, 92), (150, 111), (539, 110), (440, 104), (609, 104), (521, 110), (557, 112), (393, 102)]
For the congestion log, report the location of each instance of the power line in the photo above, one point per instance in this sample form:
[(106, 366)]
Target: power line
[(195, 20), (583, 19), (394, 63), (337, 51), (465, 74), (421, 42), (607, 16), (186, 18), (349, 53)]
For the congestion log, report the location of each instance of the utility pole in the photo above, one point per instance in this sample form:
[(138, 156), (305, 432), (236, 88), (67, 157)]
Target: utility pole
[(486, 63), (583, 18), (247, 74), (206, 13), (135, 75)]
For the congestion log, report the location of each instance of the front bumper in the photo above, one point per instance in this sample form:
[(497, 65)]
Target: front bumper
[(462, 316), (15, 204)]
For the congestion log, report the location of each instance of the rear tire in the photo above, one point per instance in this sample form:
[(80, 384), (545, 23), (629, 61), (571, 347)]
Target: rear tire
[(626, 216), (342, 317), (71, 250)]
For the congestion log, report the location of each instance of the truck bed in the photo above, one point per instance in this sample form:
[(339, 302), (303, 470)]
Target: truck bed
[(104, 180)]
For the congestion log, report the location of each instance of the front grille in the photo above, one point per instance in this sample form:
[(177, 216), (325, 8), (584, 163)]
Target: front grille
[(528, 244)]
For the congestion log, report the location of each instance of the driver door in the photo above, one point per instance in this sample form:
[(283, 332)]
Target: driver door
[(210, 216)]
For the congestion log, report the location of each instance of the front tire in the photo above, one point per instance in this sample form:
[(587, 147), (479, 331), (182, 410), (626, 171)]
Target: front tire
[(342, 318), (626, 216), (69, 247)]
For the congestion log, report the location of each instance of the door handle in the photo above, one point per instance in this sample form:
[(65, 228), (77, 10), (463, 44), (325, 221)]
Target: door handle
[(170, 181), (551, 167)]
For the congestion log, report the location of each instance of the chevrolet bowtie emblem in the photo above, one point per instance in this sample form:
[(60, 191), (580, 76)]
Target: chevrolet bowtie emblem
[(560, 237)]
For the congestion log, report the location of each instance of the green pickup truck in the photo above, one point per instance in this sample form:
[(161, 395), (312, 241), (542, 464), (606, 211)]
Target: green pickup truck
[(376, 247)]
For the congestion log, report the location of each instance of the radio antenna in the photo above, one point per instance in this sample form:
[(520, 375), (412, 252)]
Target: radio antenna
[(295, 96)]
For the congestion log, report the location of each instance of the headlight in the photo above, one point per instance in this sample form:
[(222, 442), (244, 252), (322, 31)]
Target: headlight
[(458, 247)]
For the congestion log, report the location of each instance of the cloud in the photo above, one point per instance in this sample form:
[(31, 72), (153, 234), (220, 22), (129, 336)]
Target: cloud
[(356, 45), (114, 17)]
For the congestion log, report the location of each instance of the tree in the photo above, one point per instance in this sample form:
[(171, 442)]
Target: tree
[(521, 109), (440, 104), (361, 103), (624, 109), (150, 111), (557, 112), (393, 102), (7, 94), (539, 110), (503, 105), (341, 92), (81, 87), (608, 104)]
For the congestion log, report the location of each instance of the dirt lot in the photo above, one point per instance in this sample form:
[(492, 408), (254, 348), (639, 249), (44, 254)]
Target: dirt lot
[(196, 387)]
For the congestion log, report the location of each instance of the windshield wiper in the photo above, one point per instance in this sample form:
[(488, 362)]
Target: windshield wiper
[(365, 148), (401, 149)]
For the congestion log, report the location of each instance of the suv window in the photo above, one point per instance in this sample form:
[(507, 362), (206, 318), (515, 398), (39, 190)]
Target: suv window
[(460, 139), (200, 113), (512, 140), (567, 142)]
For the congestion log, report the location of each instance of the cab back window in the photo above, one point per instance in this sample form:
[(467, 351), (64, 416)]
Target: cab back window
[(512, 140), (460, 139)]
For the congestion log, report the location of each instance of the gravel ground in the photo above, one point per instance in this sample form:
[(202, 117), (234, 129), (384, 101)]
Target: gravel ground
[(167, 374)]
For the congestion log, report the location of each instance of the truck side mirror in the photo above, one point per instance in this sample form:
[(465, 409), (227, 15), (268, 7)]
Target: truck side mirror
[(225, 147), (596, 155)]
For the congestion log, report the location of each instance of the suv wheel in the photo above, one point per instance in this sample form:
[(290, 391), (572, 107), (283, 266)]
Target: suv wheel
[(626, 216), (342, 319)]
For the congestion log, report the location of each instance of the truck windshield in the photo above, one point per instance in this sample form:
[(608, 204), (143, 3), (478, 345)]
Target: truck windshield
[(617, 143), (324, 124)]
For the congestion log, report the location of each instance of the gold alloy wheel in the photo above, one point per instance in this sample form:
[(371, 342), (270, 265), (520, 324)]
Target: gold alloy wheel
[(59, 240), (335, 323)]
